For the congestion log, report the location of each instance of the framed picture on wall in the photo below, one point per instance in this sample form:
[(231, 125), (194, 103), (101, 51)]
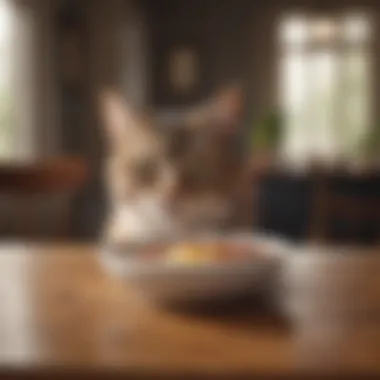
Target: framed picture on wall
[(183, 67), (180, 72)]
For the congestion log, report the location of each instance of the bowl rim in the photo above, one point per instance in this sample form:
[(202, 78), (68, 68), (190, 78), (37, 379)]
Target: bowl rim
[(274, 250)]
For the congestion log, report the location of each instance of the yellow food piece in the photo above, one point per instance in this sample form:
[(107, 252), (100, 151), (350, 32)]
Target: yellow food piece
[(192, 253)]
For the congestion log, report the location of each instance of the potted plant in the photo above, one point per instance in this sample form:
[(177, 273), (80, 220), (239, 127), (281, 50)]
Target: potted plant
[(369, 147), (266, 137)]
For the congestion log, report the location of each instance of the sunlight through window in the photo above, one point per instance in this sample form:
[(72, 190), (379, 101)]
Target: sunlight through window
[(325, 89), (6, 76)]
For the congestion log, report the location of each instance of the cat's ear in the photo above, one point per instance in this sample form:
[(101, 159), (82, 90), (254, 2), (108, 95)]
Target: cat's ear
[(223, 110), (117, 115)]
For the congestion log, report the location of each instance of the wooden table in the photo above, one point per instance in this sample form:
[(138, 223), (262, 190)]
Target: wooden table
[(60, 312)]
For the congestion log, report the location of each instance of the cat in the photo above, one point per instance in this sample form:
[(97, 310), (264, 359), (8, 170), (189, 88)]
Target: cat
[(171, 175)]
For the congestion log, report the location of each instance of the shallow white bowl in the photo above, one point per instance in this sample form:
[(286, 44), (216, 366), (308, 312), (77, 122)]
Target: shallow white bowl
[(172, 282)]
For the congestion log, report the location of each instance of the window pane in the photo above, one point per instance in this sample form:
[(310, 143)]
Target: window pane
[(321, 103), (6, 104), (294, 31), (325, 87), (357, 107), (294, 96), (356, 28)]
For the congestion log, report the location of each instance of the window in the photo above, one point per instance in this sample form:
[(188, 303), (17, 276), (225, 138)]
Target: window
[(325, 91), (6, 75), (25, 78)]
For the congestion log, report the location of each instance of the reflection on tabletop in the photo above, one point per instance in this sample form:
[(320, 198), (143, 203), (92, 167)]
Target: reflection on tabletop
[(61, 309)]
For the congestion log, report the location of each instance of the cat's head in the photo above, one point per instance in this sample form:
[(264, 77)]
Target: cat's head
[(190, 154)]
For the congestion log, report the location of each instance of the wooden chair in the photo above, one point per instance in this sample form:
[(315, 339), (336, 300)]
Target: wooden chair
[(352, 198), (27, 188)]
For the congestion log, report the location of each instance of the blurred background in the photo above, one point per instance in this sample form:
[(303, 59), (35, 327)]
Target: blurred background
[(308, 70)]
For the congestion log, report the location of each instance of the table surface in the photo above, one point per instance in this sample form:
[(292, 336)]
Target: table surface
[(59, 310)]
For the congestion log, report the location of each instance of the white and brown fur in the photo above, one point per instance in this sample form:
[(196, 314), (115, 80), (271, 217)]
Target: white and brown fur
[(171, 176)]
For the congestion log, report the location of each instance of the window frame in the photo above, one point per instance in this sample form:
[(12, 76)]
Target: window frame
[(340, 46)]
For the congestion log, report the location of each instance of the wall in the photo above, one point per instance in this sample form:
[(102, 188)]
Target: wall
[(229, 37), (235, 39), (237, 43)]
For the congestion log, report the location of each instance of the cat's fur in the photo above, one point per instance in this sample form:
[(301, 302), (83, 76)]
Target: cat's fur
[(167, 176)]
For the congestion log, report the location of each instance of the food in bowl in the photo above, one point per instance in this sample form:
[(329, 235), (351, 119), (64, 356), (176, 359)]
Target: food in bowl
[(193, 253), (197, 253)]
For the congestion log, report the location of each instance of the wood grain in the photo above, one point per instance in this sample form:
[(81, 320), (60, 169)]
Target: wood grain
[(60, 311)]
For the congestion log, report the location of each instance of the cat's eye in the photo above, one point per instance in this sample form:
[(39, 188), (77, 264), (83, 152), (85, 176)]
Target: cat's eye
[(146, 170)]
